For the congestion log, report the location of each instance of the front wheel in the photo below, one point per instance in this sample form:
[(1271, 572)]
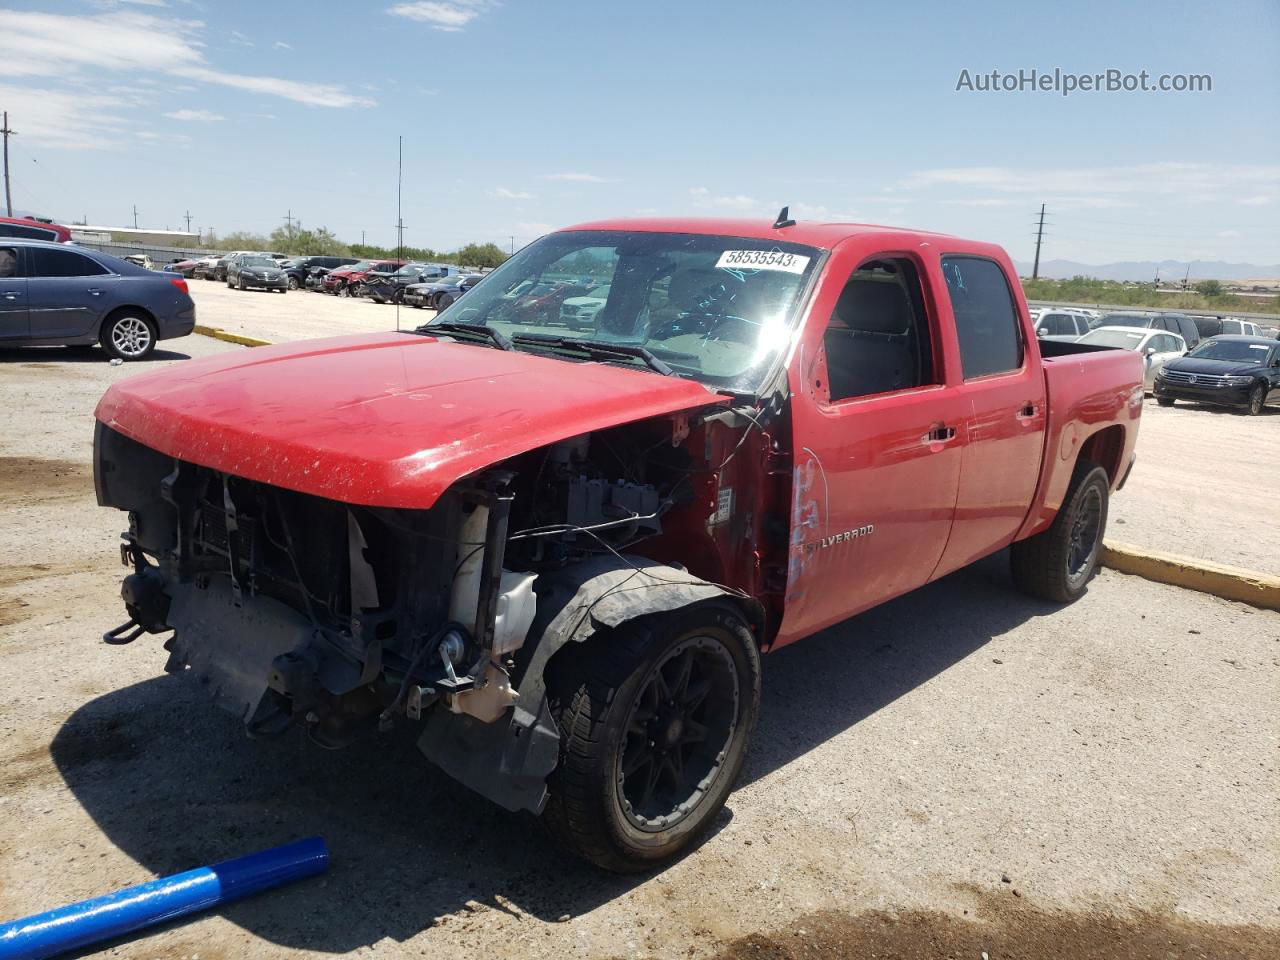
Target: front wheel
[(1257, 397), (128, 336), (293, 283), (1057, 564), (444, 300), (655, 719)]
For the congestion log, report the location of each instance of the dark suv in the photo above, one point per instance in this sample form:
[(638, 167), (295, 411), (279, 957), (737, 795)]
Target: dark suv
[(1177, 323), (297, 269), (1229, 371)]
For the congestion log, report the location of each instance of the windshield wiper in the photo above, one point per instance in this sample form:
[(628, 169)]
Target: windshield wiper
[(460, 328), (597, 349)]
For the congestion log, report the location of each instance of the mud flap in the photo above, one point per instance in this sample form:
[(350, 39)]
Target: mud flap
[(507, 761)]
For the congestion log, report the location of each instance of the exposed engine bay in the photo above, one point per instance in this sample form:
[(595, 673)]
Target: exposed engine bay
[(343, 618)]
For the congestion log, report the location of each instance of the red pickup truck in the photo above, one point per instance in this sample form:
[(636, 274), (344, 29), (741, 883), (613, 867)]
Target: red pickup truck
[(560, 554)]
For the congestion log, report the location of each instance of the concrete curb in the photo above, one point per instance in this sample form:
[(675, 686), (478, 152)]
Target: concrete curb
[(1229, 583), (219, 334)]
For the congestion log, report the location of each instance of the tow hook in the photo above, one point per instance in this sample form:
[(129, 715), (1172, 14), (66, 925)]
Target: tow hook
[(147, 605)]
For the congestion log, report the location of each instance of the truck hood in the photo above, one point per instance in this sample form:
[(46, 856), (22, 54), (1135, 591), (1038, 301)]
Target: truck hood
[(388, 419)]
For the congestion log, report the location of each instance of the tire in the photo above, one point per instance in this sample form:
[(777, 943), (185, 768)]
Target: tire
[(344, 290), (1257, 399), (1165, 401), (630, 821), (128, 336), (1057, 564), (240, 284), (293, 283), (444, 300)]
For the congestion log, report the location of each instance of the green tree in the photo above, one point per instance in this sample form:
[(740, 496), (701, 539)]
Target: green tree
[(481, 255), (1209, 288), (243, 240)]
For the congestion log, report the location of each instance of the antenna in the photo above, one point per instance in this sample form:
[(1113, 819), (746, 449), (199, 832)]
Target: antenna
[(784, 219)]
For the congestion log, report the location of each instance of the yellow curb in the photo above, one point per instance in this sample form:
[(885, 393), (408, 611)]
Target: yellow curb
[(219, 334), (1219, 579)]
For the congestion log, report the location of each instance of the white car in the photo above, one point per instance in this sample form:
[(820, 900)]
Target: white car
[(1157, 347), (579, 312), (1067, 324)]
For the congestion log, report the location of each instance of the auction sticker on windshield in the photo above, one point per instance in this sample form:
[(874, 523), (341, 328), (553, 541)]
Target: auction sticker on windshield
[(762, 260)]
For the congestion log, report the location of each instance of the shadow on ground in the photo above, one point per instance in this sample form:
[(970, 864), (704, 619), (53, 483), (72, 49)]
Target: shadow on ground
[(174, 783), (57, 356)]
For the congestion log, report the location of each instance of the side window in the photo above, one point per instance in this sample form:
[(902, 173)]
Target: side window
[(986, 321), (8, 262), (62, 263), (27, 233), (877, 338), (1230, 326)]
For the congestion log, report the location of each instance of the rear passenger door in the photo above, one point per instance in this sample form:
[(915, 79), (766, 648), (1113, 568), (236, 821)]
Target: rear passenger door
[(1004, 427), (13, 296), (68, 292), (877, 435)]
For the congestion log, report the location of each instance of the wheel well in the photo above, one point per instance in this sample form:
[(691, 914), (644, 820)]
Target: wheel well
[(130, 309), (1105, 448)]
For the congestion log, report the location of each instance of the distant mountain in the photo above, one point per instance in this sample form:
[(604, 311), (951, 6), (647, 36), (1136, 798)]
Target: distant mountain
[(1146, 270)]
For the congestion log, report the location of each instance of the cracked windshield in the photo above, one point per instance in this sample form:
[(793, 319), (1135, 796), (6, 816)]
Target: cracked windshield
[(715, 309)]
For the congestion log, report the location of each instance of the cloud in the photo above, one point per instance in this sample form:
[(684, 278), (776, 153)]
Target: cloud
[(240, 40), (1261, 200), (67, 120), (136, 44), (577, 177), (281, 45), (450, 16), (704, 198), (506, 194), (1099, 187), (204, 116)]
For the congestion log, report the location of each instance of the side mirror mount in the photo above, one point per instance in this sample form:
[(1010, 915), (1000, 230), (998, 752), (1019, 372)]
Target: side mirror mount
[(1042, 332), (1151, 351)]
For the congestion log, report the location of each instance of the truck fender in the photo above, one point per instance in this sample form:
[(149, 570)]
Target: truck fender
[(509, 760)]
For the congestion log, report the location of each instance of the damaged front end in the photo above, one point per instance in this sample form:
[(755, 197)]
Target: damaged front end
[(297, 610)]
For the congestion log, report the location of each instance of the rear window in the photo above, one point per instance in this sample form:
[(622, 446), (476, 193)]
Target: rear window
[(27, 233), (986, 320)]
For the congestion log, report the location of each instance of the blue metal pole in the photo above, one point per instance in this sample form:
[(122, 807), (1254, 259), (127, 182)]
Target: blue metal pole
[(103, 918)]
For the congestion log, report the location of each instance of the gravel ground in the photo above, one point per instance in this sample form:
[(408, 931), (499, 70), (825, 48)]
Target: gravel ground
[(960, 770), (296, 315)]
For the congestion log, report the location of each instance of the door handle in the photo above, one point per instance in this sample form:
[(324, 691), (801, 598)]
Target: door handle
[(95, 292), (939, 434), (11, 294), (1027, 411)]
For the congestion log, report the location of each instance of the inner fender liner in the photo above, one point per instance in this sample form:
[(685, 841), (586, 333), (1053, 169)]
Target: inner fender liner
[(509, 761)]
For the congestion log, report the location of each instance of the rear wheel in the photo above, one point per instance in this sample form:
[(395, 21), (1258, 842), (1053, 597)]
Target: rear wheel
[(1057, 564), (1165, 401), (293, 283), (128, 336), (1257, 398), (655, 718)]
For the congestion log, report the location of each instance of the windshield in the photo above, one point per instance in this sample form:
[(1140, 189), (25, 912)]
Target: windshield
[(411, 269), (257, 262), (1113, 338), (356, 267), (1237, 350), (716, 309), (1124, 320)]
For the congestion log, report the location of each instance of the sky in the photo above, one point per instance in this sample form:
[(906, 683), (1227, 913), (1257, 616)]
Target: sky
[(522, 116)]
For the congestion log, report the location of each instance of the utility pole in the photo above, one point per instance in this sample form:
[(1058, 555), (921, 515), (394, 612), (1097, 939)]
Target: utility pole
[(8, 198), (513, 246), (362, 238), (187, 215), (1187, 276), (1035, 269), (288, 219), (135, 216)]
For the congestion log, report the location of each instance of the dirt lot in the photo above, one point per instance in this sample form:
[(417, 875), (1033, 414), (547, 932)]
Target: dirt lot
[(296, 315), (1203, 473), (962, 770)]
